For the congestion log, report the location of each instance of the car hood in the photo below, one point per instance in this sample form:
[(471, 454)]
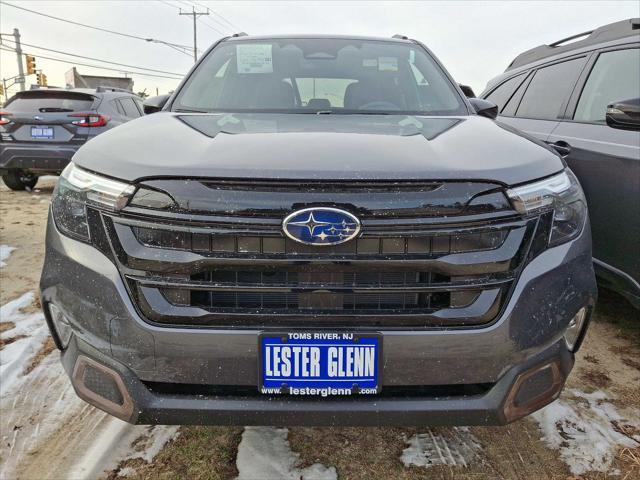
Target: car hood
[(317, 147)]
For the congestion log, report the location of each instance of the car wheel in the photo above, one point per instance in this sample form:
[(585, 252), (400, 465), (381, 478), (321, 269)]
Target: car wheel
[(19, 180)]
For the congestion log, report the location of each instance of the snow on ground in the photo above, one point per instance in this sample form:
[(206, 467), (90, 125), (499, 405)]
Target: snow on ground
[(41, 409), (264, 454), (581, 427), (119, 441), (456, 446), (31, 332), (5, 252)]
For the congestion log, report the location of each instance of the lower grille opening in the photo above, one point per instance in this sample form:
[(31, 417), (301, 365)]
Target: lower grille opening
[(408, 391), (320, 301)]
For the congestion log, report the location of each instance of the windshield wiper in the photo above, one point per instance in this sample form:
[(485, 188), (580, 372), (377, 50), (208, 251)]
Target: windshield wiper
[(190, 110)]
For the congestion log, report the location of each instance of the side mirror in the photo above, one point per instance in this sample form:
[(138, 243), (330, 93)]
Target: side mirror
[(484, 108), (154, 104), (467, 90), (624, 115)]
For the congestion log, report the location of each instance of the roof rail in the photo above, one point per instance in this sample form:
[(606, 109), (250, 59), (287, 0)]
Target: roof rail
[(103, 88), (400, 37), (240, 34), (612, 31)]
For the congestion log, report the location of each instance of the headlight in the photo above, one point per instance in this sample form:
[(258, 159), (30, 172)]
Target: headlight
[(560, 193), (78, 188)]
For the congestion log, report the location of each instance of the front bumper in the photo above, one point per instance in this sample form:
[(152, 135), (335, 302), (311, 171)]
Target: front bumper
[(87, 287), (46, 158)]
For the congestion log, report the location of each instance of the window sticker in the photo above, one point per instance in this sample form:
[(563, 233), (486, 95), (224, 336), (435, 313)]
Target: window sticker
[(254, 58), (370, 62), (388, 64), (412, 57)]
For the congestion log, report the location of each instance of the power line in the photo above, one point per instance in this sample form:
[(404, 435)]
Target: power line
[(9, 49), (152, 40), (235, 27), (191, 5), (98, 59)]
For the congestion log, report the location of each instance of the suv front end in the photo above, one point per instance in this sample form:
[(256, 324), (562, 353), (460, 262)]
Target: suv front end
[(164, 291)]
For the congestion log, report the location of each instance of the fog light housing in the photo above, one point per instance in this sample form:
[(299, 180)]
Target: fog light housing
[(574, 330), (103, 387), (61, 324), (533, 390)]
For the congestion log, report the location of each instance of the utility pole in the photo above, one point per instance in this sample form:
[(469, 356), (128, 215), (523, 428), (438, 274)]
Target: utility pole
[(195, 16), (20, 80)]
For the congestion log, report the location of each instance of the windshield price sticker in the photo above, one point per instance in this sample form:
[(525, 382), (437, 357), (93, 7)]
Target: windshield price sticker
[(388, 64), (254, 58)]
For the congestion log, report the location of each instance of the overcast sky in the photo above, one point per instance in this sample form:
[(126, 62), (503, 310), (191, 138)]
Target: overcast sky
[(474, 40)]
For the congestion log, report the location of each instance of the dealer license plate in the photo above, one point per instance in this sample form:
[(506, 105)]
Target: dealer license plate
[(42, 132), (320, 363)]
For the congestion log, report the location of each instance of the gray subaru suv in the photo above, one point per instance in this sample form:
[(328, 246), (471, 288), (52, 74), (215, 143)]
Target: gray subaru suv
[(318, 230), (41, 129)]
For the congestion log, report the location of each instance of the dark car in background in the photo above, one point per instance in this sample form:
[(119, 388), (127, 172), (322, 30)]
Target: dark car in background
[(582, 94), (41, 129), (318, 230)]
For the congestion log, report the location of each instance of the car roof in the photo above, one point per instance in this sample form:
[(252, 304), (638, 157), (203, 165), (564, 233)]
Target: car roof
[(607, 33), (96, 92), (243, 37), (619, 33)]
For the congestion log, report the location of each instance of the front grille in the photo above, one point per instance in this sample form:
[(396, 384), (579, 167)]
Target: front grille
[(390, 245), (223, 270)]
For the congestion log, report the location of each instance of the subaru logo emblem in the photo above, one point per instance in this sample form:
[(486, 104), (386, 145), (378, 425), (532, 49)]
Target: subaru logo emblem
[(321, 226)]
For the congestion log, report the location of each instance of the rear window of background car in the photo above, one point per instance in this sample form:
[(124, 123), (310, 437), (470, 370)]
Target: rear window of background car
[(50, 102)]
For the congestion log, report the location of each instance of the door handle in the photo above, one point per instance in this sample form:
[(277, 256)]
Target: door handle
[(562, 147)]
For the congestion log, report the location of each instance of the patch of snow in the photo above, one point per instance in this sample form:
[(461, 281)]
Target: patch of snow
[(118, 442), (147, 447), (44, 426), (265, 454), (456, 446), (15, 357), (581, 428), (36, 407), (126, 472), (5, 252)]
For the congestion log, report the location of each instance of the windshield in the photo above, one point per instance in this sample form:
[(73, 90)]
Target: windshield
[(319, 76)]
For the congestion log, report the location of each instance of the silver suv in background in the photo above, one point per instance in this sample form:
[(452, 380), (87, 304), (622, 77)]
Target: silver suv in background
[(582, 95), (41, 129)]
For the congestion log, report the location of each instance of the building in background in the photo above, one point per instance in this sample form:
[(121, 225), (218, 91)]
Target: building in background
[(74, 79)]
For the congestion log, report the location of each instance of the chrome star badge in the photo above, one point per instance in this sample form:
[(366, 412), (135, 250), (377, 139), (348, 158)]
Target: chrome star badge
[(321, 226)]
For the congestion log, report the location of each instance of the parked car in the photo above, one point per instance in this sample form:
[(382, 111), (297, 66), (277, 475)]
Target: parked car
[(583, 96), (314, 217), (40, 130)]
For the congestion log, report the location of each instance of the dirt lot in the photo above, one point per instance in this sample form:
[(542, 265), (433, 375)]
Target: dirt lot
[(591, 432)]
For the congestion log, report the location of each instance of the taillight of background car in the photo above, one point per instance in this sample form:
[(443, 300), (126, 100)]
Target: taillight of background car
[(89, 119)]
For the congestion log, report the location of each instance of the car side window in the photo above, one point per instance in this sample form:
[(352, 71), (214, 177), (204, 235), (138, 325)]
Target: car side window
[(548, 90), (130, 109), (140, 105), (117, 106), (501, 95), (614, 77)]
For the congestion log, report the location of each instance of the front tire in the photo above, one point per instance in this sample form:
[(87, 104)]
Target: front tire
[(19, 180)]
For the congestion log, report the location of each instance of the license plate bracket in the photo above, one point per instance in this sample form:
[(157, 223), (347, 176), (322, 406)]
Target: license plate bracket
[(319, 363)]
